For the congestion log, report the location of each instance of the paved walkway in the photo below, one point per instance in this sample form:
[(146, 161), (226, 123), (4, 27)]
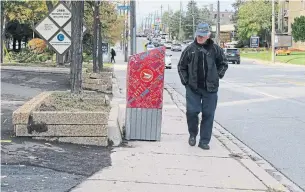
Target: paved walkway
[(171, 164)]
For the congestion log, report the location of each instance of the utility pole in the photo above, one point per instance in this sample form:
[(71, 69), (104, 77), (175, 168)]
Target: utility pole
[(162, 19), (126, 36), (273, 33), (193, 15), (133, 29), (169, 35), (123, 35), (180, 20), (218, 23)]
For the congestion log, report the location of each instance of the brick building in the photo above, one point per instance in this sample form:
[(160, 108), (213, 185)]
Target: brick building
[(290, 9)]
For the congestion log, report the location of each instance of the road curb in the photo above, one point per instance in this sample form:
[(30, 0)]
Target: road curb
[(258, 166), (38, 70), (115, 133), (262, 62), (270, 176)]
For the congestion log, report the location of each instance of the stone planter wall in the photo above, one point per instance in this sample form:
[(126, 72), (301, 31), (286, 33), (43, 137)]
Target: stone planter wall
[(81, 127), (101, 82)]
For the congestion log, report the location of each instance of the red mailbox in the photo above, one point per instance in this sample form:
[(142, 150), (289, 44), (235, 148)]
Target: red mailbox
[(144, 99)]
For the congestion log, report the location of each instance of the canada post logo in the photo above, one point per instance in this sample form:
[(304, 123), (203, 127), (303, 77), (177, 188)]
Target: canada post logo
[(146, 75)]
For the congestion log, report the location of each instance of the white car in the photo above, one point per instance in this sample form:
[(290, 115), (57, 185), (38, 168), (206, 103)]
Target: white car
[(168, 44), (176, 47), (150, 47), (168, 61)]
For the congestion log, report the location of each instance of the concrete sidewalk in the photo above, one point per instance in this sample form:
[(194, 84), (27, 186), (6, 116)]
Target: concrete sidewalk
[(172, 165)]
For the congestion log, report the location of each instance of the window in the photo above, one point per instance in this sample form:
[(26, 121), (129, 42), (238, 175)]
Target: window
[(232, 50)]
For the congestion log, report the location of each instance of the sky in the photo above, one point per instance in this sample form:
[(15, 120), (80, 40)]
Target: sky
[(144, 7)]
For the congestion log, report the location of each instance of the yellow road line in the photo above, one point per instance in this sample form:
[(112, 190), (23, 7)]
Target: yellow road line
[(287, 81), (5, 141)]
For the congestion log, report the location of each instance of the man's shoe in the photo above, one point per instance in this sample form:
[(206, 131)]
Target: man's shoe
[(204, 146), (192, 141)]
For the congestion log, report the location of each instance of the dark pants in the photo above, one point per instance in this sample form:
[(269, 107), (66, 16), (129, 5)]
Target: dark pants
[(112, 59), (206, 103)]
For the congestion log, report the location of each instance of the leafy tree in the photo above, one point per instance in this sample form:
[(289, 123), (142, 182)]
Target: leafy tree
[(166, 18), (298, 28), (111, 23), (192, 12), (205, 16), (254, 18), (25, 11), (174, 24), (236, 5)]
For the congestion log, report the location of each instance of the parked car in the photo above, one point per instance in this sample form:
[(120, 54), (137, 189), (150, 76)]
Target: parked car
[(168, 44), (162, 42), (232, 55), (168, 61), (282, 51), (176, 47), (150, 47)]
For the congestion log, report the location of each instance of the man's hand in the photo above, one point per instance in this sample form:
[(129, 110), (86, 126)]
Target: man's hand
[(221, 62)]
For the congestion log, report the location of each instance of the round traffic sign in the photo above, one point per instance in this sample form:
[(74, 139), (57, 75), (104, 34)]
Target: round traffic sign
[(60, 37)]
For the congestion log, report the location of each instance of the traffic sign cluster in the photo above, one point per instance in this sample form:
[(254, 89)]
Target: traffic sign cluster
[(55, 28)]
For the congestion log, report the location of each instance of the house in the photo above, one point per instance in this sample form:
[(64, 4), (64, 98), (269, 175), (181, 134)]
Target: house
[(290, 9)]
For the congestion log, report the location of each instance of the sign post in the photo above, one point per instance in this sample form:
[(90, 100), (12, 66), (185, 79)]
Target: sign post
[(55, 28), (254, 42), (144, 100)]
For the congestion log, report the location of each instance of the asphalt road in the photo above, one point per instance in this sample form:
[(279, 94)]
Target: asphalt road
[(264, 107), (37, 166)]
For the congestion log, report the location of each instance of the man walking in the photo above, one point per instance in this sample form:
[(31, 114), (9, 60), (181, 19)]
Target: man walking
[(201, 65), (113, 54)]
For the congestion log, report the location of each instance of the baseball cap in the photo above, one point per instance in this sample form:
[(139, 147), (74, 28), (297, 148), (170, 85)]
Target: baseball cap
[(202, 29)]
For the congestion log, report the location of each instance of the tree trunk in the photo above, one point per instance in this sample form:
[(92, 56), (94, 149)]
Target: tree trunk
[(49, 5), (77, 46), (95, 36), (67, 57), (1, 32), (14, 44), (19, 44), (100, 51)]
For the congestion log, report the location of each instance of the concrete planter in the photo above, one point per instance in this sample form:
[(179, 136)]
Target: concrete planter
[(101, 82), (79, 127)]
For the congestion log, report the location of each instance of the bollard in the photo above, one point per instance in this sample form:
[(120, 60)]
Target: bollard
[(144, 100)]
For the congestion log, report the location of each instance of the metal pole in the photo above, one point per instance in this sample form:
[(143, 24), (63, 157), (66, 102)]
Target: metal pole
[(134, 28), (218, 23), (125, 33), (273, 33), (132, 2), (162, 28), (169, 35), (180, 22)]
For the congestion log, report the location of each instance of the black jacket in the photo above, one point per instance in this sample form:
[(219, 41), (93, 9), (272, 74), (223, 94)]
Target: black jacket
[(216, 65)]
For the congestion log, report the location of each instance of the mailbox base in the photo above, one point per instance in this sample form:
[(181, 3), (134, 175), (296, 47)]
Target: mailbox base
[(143, 124)]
